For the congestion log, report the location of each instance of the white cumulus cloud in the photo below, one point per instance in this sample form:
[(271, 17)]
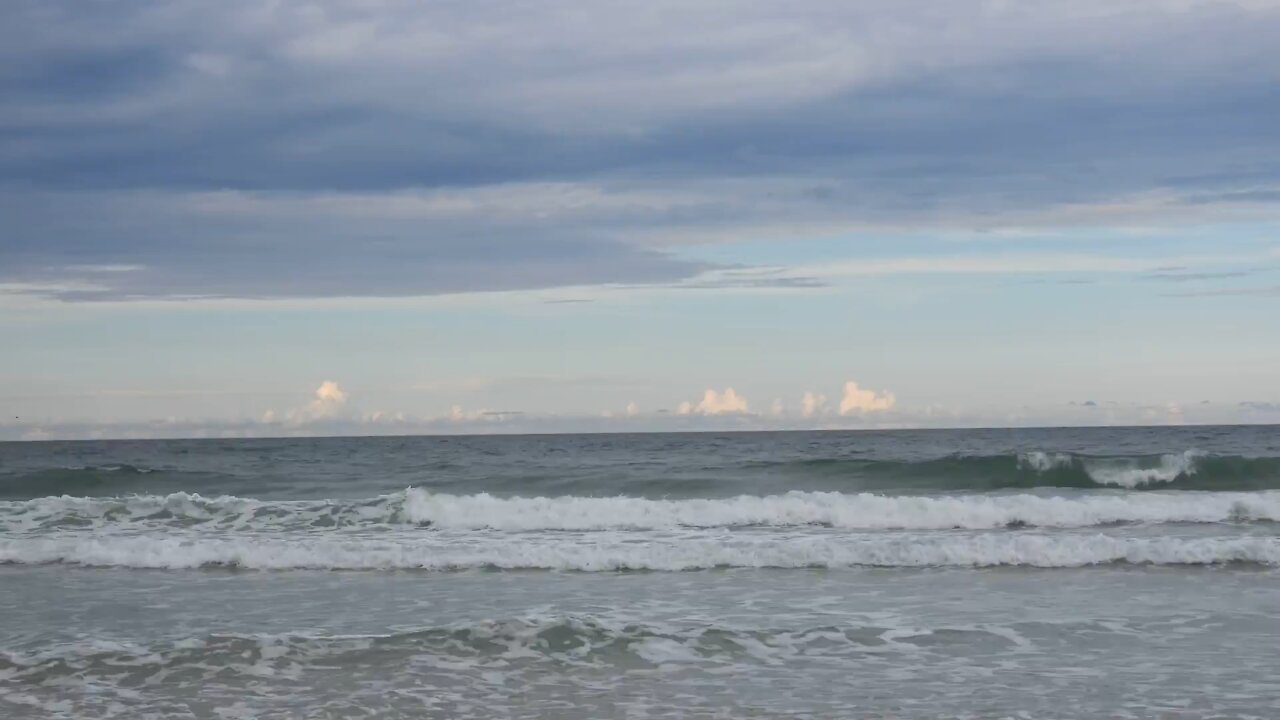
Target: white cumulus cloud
[(387, 417), (327, 403), (330, 394), (813, 404), (715, 403), (858, 400)]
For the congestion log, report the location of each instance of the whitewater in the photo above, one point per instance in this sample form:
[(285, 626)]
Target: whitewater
[(690, 551), (861, 511)]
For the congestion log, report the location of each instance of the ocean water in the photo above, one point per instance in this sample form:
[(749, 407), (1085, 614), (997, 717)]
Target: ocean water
[(1056, 573)]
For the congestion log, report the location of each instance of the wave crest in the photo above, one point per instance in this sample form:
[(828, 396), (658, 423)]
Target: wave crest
[(1186, 470), (1127, 473)]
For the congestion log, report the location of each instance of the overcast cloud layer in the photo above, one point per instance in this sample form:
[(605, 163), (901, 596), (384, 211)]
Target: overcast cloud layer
[(257, 217), (279, 149)]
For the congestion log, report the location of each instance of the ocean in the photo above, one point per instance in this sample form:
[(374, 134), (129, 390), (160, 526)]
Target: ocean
[(1047, 573)]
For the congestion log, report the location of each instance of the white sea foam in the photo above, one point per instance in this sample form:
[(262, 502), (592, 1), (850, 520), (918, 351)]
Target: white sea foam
[(1120, 472), (495, 642), (863, 511), (860, 511), (1128, 474), (1041, 461), (621, 551)]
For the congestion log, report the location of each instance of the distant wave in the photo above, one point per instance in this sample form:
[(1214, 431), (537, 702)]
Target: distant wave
[(78, 480), (1188, 470), (861, 511), (624, 552)]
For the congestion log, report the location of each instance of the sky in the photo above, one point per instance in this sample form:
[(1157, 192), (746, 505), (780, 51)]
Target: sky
[(274, 217)]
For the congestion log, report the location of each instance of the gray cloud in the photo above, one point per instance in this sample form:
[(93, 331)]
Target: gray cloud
[(1222, 292), (1266, 407), (752, 279), (394, 94), (1180, 276), (199, 246), (122, 124), (1247, 196)]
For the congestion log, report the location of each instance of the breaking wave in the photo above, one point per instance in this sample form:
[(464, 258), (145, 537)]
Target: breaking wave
[(1122, 472), (1188, 470), (626, 551), (861, 511)]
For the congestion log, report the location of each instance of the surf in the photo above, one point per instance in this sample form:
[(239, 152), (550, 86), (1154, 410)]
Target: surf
[(484, 511)]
